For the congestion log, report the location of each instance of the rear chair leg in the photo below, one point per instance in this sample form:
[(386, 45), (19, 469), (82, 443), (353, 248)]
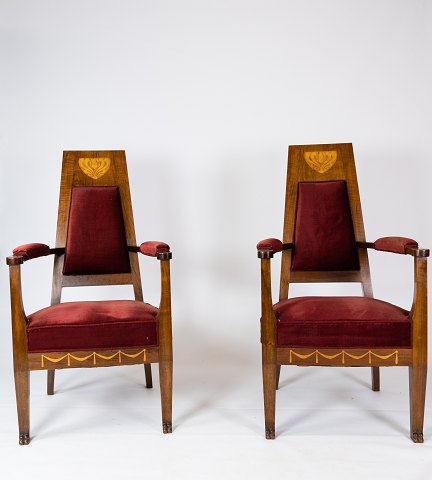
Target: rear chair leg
[(22, 390), (148, 375), (417, 380), (165, 379), (375, 379), (50, 382), (269, 386)]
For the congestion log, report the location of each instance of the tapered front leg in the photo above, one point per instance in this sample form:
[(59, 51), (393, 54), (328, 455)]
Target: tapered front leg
[(165, 348), (22, 390), (166, 379), (418, 369), (417, 379), (269, 385)]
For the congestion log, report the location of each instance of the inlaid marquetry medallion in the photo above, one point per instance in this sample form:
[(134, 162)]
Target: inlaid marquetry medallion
[(94, 167), (321, 161)]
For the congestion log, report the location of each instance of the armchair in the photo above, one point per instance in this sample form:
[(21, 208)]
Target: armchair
[(324, 241), (95, 245)]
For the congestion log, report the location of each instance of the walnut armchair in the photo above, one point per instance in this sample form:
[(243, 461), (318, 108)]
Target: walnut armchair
[(95, 245), (324, 241)]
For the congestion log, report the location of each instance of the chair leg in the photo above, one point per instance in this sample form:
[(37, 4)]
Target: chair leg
[(417, 380), (375, 379), (278, 370), (165, 379), (22, 391), (269, 386), (50, 382), (148, 375)]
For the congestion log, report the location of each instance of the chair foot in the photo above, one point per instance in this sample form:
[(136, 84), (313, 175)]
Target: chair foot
[(417, 437), (270, 433), (167, 427), (24, 439)]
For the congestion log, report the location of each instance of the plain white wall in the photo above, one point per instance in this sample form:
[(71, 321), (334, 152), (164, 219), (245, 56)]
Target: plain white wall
[(205, 97)]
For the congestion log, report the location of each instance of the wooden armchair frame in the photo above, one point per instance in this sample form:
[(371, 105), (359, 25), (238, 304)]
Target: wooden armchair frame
[(99, 168), (273, 356)]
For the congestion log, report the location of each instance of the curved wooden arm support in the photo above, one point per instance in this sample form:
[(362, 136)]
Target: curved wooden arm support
[(19, 319), (419, 307), (165, 323), (268, 320)]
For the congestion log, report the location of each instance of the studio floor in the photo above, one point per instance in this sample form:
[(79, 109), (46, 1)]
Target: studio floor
[(103, 424)]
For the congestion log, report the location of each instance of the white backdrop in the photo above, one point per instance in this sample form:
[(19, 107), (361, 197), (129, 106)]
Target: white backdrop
[(205, 97)]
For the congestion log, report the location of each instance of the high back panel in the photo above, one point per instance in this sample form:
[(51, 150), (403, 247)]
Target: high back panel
[(323, 218), (96, 240), (95, 223), (323, 233)]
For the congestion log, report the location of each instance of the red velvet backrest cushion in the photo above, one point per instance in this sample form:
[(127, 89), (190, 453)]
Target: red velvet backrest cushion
[(324, 236), (96, 241)]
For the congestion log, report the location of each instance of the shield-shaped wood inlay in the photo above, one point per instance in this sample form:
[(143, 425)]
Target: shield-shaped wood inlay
[(94, 167), (321, 161)]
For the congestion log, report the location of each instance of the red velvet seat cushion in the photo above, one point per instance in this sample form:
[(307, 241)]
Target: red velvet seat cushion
[(346, 322), (92, 325)]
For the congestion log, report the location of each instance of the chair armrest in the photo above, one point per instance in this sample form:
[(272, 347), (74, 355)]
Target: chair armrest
[(31, 250), (394, 244), (157, 249), (266, 248), (401, 245)]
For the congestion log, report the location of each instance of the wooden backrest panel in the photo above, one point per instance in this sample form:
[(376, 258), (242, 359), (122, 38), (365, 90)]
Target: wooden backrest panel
[(106, 168), (332, 163)]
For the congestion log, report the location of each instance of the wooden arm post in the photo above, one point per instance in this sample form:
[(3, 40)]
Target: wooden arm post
[(268, 347), (418, 369), (21, 371), (165, 342)]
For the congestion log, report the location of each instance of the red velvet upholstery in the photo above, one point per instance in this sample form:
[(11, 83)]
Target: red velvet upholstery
[(345, 322), (272, 244), (153, 248), (92, 325), (96, 240), (394, 244), (32, 250), (324, 236)]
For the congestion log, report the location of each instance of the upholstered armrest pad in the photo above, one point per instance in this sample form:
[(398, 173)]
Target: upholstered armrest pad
[(32, 250), (153, 248), (272, 244), (394, 244)]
